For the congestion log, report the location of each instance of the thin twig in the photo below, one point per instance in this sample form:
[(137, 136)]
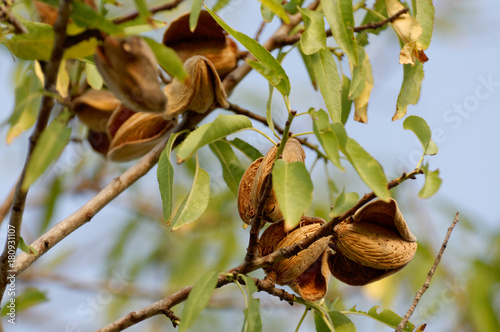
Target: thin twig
[(46, 105), (154, 10), (9, 18), (240, 110), (259, 31), (5, 208), (427, 282), (379, 24)]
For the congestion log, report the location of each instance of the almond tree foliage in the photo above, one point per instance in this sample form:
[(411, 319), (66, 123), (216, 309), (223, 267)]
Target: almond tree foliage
[(87, 77)]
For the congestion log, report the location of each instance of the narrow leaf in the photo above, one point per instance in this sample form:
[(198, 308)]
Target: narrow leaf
[(27, 299), (232, 171), (195, 14), (346, 102), (314, 37), (341, 323), (50, 145), (62, 83), (326, 136), (327, 77), (84, 16), (247, 149), (260, 53), (410, 89), (340, 17), (291, 6), (253, 320), (94, 79), (219, 5), (425, 16), (222, 126), (195, 203), (309, 68), (277, 8), (422, 131), (387, 317), (370, 171), (198, 299), (142, 8), (26, 248), (168, 59), (432, 183), (267, 14), (269, 109), (165, 176), (363, 95), (344, 202), (293, 188)]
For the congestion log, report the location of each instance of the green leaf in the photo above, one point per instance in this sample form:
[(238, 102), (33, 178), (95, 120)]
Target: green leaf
[(94, 79), (50, 145), (253, 320), (340, 17), (425, 17), (261, 54), (195, 203), (51, 198), (358, 76), (140, 25), (165, 175), (219, 5), (28, 298), (26, 248), (222, 126), (232, 171), (422, 131), (314, 37), (432, 183), (346, 102), (27, 103), (195, 14), (293, 188), (269, 109), (326, 137), (277, 8), (269, 74), (198, 299), (410, 89), (327, 77), (341, 322), (247, 149), (309, 68), (387, 317), (142, 8), (167, 59), (291, 6), (38, 43), (86, 17), (344, 202), (370, 171)]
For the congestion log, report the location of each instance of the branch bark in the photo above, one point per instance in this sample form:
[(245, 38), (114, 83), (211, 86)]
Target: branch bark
[(427, 282), (46, 105)]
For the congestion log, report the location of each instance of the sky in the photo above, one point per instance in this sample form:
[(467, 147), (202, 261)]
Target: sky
[(459, 100)]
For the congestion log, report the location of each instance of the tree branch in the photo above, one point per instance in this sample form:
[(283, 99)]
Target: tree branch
[(5, 208), (46, 105), (154, 10), (379, 24), (326, 229), (9, 18), (427, 282)]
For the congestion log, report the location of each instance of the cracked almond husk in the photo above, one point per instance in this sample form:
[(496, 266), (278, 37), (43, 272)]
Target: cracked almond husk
[(134, 134), (94, 108), (293, 152), (373, 244), (208, 39), (306, 273), (129, 68), (99, 141), (245, 206), (199, 92)]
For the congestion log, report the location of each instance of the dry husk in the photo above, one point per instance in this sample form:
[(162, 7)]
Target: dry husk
[(201, 90), (129, 68), (208, 39), (95, 107)]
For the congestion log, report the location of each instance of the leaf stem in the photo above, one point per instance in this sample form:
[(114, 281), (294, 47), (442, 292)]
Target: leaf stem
[(302, 319), (263, 134), (319, 309), (303, 134)]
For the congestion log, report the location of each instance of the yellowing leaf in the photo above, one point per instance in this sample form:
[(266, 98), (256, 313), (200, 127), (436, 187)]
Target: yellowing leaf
[(408, 30), (62, 80), (361, 99)]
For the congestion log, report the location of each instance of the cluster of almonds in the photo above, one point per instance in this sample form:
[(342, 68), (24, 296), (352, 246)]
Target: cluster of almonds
[(129, 119), (372, 244)]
